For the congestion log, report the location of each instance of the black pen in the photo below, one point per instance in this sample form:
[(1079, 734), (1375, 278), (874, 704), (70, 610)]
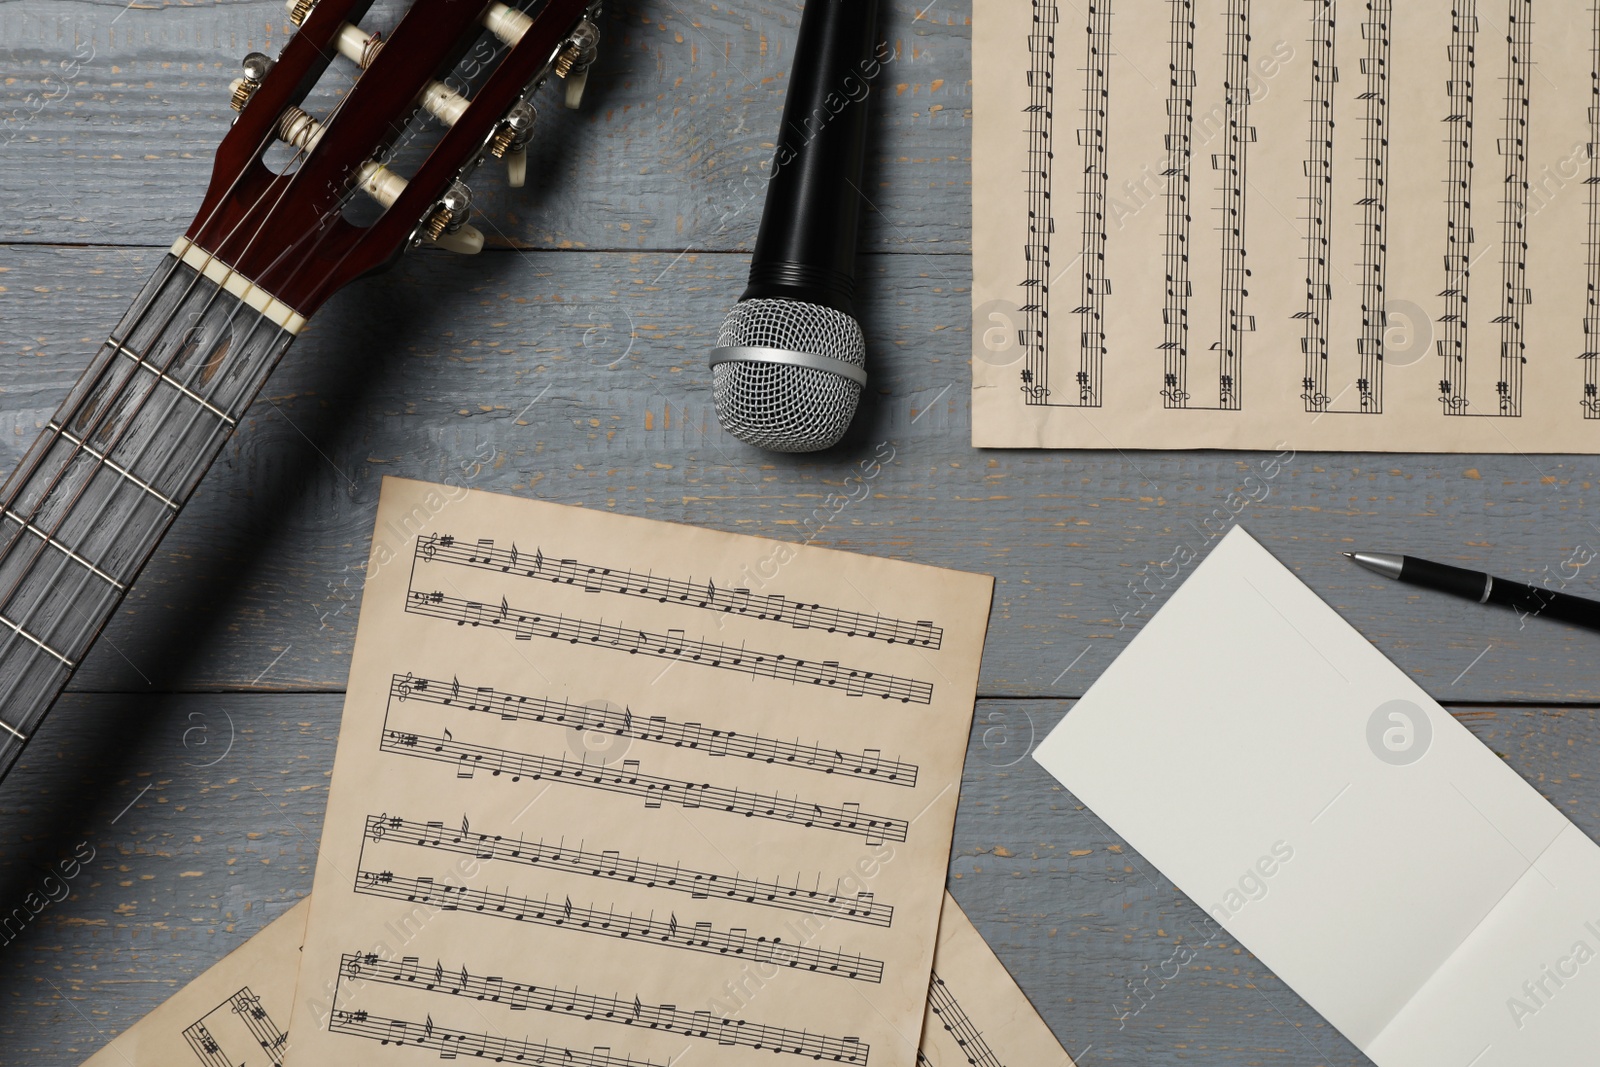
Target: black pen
[(1484, 588)]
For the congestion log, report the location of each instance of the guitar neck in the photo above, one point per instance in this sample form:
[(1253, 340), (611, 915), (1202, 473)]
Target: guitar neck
[(97, 491)]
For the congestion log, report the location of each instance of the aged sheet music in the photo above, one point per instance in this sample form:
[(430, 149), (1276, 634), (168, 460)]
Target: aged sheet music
[(225, 1018), (1326, 224), (234, 1015), (976, 1013), (611, 791)]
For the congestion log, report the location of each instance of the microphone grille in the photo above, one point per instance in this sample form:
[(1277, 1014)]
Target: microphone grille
[(778, 406)]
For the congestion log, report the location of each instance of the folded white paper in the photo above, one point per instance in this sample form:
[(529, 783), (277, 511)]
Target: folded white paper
[(1342, 825)]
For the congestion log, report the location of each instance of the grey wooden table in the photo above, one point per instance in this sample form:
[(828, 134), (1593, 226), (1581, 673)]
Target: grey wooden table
[(193, 757)]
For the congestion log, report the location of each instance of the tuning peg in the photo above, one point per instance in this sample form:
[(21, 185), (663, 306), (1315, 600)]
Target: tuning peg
[(467, 241), (256, 68), (507, 23), (573, 64), (511, 142), (446, 225)]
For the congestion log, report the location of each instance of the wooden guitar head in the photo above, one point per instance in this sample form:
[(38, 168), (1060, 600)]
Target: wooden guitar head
[(286, 233)]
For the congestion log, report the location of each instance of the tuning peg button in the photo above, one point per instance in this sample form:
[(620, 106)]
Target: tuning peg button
[(517, 168), (256, 68), (467, 241), (510, 142), (573, 64)]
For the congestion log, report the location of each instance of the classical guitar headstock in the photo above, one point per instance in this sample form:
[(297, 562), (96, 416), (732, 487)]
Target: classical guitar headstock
[(284, 237)]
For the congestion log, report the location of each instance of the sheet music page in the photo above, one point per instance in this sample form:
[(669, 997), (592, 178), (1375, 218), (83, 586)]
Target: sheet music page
[(1330, 224), (610, 792), (976, 1013), (233, 1015)]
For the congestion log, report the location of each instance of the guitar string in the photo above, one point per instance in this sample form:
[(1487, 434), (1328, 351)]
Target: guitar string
[(19, 483), (121, 391), (210, 257), (103, 460), (108, 409)]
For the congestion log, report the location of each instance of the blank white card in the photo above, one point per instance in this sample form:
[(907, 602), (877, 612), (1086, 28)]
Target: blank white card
[(1342, 825)]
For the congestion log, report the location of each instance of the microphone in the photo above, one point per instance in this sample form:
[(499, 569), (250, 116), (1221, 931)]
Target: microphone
[(790, 361)]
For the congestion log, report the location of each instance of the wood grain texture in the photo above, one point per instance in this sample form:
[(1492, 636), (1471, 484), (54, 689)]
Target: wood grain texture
[(122, 107), (574, 370)]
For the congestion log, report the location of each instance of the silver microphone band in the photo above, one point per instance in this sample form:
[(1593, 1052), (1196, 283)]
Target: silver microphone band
[(756, 354)]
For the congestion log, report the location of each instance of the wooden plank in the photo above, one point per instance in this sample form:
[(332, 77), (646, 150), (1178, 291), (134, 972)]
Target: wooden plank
[(199, 817), (429, 372), (1099, 939), (123, 107)]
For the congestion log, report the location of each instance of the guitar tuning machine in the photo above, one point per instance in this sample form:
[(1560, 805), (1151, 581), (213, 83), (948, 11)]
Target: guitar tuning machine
[(573, 64), (510, 142), (446, 224), (256, 67)]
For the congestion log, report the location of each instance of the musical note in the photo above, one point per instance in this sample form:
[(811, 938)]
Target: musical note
[(451, 1043), (1590, 401), (511, 707), (1454, 323), (959, 1025), (240, 1020), (1178, 172), (653, 789), (1093, 138), (542, 911), (1373, 267), (673, 645), (595, 578), (1515, 296), (674, 877), (1234, 165), (529, 996), (1319, 207), (493, 821), (1035, 333)]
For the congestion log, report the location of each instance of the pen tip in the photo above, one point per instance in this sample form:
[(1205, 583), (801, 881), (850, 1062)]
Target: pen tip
[(1348, 555)]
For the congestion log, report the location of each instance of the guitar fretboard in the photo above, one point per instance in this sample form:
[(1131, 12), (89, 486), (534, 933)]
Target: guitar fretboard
[(100, 486)]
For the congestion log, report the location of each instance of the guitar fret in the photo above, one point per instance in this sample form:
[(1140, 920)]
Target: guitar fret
[(63, 549), (13, 731), (25, 635), (140, 361), (112, 465)]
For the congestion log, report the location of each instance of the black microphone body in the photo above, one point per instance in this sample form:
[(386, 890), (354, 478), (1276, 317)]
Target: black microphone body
[(806, 248), (790, 361)]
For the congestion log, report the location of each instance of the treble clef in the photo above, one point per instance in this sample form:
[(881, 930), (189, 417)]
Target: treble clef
[(403, 687), (352, 967)]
